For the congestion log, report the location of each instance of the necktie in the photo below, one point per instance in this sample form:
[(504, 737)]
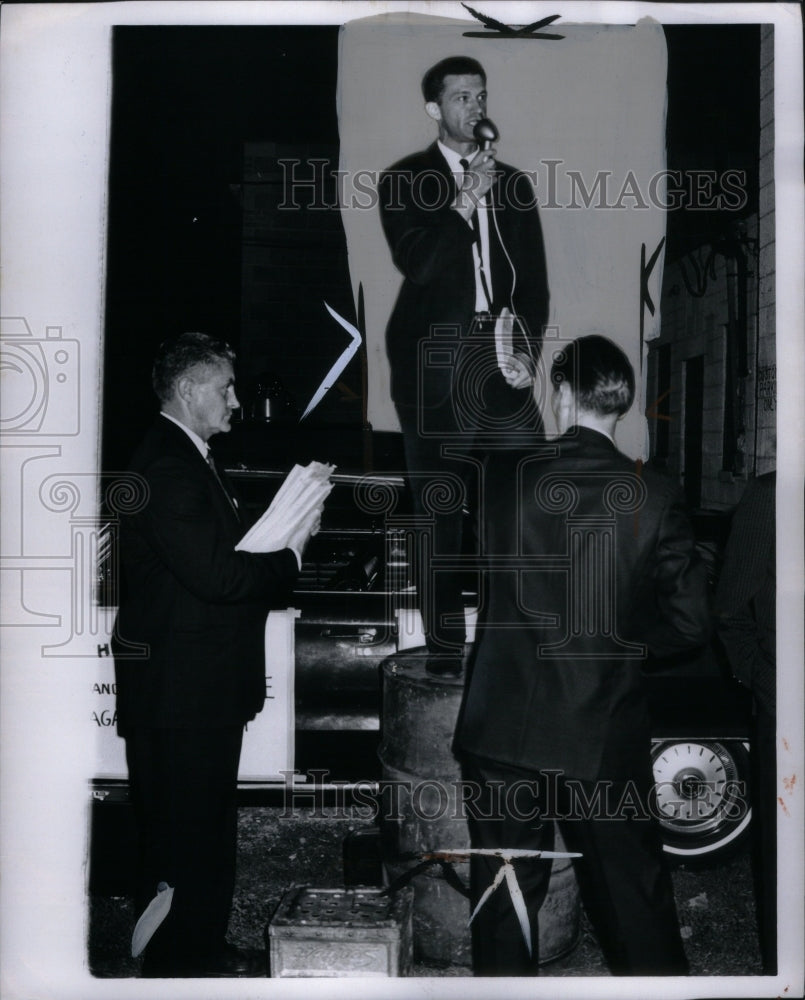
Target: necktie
[(476, 229), (212, 465)]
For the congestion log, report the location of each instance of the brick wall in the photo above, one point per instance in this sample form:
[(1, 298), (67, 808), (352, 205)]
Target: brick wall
[(696, 313), (695, 317)]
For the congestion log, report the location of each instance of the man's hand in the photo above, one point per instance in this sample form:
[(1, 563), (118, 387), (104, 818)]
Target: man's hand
[(478, 179), (299, 538), (516, 367), (517, 371)]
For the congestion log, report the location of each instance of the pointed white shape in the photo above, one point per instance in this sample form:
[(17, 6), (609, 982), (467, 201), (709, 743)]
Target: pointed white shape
[(152, 917), (507, 871), (342, 362), (516, 894), (488, 892), (507, 853)]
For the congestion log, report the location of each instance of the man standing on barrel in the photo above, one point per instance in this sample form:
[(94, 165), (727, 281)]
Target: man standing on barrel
[(464, 231)]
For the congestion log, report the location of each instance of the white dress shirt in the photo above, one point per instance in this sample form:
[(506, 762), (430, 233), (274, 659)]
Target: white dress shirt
[(481, 220)]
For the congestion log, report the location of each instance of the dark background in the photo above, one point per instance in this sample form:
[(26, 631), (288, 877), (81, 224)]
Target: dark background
[(188, 205)]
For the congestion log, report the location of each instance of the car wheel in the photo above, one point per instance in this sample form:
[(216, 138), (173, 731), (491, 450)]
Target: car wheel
[(702, 798)]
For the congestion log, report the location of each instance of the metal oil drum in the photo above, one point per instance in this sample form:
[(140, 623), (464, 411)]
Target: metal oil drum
[(421, 811)]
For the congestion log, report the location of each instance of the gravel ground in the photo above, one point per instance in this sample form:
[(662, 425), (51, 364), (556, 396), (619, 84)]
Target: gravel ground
[(715, 906)]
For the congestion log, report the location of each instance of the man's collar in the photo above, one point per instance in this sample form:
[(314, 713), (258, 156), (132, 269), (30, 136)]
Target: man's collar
[(200, 443), (453, 158), (585, 428)]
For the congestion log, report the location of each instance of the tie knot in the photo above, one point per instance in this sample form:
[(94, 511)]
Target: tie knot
[(464, 164)]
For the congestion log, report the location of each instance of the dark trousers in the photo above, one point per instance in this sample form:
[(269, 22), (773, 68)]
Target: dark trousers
[(445, 443), (625, 888), (184, 785), (441, 485)]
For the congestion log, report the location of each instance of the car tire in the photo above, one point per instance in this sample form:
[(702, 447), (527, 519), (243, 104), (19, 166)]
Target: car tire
[(702, 798)]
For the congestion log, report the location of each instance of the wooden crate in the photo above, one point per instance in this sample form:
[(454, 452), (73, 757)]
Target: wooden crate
[(341, 932)]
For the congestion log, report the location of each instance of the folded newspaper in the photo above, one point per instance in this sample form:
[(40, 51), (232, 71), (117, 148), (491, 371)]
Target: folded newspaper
[(305, 489), (504, 339)]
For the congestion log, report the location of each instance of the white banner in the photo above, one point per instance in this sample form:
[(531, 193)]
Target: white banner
[(584, 116), (268, 742)]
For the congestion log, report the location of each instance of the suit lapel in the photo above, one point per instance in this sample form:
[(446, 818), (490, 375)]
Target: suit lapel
[(178, 441), (439, 163), (223, 483)]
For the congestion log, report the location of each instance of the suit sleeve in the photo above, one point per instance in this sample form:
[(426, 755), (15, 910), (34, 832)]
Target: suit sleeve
[(183, 529), (423, 240), (682, 618), (750, 649)]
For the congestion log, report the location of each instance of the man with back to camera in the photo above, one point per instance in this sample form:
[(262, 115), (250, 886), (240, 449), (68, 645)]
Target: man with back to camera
[(464, 231), (590, 565), (199, 607)]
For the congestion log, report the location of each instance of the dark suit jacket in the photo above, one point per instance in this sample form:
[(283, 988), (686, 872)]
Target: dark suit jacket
[(588, 564), (746, 599), (432, 246), (199, 605)]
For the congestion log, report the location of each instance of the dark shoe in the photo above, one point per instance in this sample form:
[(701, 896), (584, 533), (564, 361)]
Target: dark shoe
[(444, 666), (230, 962), (235, 963), (168, 967)]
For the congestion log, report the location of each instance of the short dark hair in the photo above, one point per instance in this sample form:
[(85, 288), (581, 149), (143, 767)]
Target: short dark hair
[(598, 372), (433, 80), (179, 354)]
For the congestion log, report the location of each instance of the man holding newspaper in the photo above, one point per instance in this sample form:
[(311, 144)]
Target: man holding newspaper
[(195, 593)]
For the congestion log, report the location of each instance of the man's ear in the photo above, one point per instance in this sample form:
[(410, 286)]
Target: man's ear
[(564, 392), (563, 405), (184, 387), (433, 111)]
